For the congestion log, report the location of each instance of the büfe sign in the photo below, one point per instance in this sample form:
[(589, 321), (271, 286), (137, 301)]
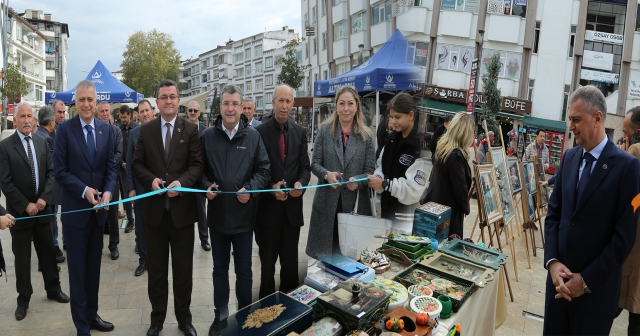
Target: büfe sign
[(509, 104)]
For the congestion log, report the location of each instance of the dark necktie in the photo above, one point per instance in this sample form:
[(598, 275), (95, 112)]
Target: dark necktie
[(91, 144), (33, 167), (281, 145), (586, 172), (167, 141)]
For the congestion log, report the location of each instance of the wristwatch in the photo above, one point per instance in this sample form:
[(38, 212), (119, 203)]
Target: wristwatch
[(326, 176), (585, 288)]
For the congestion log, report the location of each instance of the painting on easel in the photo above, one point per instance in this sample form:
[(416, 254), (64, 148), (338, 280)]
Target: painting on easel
[(529, 174), (544, 192), (504, 184), (489, 195), (514, 175)]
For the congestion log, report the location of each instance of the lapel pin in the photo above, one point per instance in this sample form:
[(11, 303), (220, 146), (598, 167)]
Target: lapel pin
[(181, 141), (99, 132), (177, 129), (604, 166)]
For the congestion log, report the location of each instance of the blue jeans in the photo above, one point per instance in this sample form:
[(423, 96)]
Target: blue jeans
[(221, 252)]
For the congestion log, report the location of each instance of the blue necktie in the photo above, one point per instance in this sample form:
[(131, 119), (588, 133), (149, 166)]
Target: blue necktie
[(91, 144), (586, 172)]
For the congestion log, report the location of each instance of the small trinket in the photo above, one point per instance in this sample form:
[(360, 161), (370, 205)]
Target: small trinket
[(355, 290), (604, 166), (444, 263)]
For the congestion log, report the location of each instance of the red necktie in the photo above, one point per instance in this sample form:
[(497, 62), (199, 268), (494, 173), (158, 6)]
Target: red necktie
[(281, 144)]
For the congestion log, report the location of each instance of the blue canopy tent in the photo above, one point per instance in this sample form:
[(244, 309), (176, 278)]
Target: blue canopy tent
[(386, 70), (108, 88)]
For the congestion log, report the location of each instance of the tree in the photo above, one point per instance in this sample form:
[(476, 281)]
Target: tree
[(492, 96), (148, 59), (14, 85), (291, 72), (215, 109)]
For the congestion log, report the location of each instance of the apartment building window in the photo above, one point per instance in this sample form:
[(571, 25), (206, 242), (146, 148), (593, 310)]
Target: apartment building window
[(268, 62), (50, 65), (510, 63), (536, 37), (530, 92), (606, 17), (238, 57), (342, 68), (241, 87), (249, 88), (340, 31), (461, 5), (323, 7), (239, 72), (50, 47), (324, 40), (259, 85), (259, 68), (572, 41), (50, 85), (215, 60), (258, 50), (565, 101), (268, 80), (247, 70), (39, 91), (313, 14), (382, 12), (299, 56), (359, 22), (306, 19), (204, 78), (306, 50), (247, 54), (259, 102), (455, 58), (221, 59), (268, 97), (335, 2), (325, 75), (197, 67), (278, 58), (417, 53)]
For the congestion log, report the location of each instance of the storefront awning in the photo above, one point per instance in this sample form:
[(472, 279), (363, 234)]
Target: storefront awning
[(440, 108), (546, 124)]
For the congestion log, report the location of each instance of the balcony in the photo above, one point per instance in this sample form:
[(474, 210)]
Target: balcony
[(341, 48), (356, 6), (380, 33), (456, 24), (51, 73), (412, 20), (358, 39), (504, 28), (339, 12)]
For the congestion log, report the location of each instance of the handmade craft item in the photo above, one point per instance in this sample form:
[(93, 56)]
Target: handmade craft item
[(398, 294), (263, 315)]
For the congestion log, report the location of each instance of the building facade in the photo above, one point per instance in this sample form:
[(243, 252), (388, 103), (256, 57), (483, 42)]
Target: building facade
[(249, 63), (548, 48), (56, 48)]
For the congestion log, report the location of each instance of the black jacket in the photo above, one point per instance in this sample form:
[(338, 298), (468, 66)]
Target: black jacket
[(437, 134), (399, 154), (381, 134), (233, 164), (3, 265)]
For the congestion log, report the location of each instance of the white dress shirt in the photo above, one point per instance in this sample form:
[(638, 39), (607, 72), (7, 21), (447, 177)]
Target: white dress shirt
[(33, 153), (596, 151), (163, 129), (233, 131)]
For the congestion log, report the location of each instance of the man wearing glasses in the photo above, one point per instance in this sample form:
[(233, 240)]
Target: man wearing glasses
[(169, 154), (236, 161), (193, 111)]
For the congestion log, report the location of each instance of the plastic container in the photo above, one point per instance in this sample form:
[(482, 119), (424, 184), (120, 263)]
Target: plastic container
[(419, 290), (420, 304)]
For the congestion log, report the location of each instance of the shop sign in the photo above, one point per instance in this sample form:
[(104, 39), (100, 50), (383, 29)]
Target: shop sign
[(634, 84), (597, 60), (599, 76), (440, 93), (509, 104), (472, 86), (597, 36)]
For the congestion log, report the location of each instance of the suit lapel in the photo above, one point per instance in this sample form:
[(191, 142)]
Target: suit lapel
[(79, 134), (157, 135), (337, 139), (572, 182), (599, 172), (101, 136), (20, 148), (178, 129), (349, 152)]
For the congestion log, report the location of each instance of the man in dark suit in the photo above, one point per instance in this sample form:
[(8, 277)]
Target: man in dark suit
[(60, 116), (169, 153), (26, 178), (278, 230), (590, 226), (193, 109), (84, 164), (103, 113), (146, 114), (126, 125)]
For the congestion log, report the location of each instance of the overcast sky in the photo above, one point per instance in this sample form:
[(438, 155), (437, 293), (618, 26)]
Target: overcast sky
[(98, 30)]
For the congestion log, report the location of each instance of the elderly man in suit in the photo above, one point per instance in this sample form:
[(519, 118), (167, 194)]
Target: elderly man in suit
[(85, 168), (278, 230), (146, 114), (60, 111), (591, 224), (193, 110), (26, 179), (169, 153), (249, 111)]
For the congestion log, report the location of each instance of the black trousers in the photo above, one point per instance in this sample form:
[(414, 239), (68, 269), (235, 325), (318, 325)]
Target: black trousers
[(113, 223), (278, 241), (203, 227), (43, 243), (141, 231), (125, 193), (160, 240)]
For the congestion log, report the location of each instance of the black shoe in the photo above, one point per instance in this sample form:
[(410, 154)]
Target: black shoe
[(101, 325), (59, 255), (130, 226), (59, 296), (214, 330), (136, 249), (154, 330), (205, 245), (21, 312), (188, 329), (141, 268), (115, 254), (64, 247)]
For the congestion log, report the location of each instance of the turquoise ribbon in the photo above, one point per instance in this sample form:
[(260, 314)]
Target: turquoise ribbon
[(183, 189)]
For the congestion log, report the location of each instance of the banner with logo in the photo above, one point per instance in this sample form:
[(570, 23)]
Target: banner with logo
[(599, 76), (471, 94), (472, 6), (634, 85), (597, 60), (448, 5), (597, 36)]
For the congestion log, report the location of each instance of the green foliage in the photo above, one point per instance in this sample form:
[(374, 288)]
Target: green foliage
[(148, 59), (215, 108), (292, 72), (492, 96), (367, 113), (14, 85)]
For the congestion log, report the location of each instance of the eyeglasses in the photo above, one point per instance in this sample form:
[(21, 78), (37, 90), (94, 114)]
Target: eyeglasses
[(227, 104), (193, 111), (165, 98)]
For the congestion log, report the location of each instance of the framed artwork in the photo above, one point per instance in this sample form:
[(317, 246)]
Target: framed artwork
[(544, 192), (514, 175), (489, 194), (530, 206), (529, 174), (504, 183), (528, 211)]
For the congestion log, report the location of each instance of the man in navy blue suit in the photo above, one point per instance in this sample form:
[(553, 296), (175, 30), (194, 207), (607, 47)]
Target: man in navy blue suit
[(590, 226), (84, 164)]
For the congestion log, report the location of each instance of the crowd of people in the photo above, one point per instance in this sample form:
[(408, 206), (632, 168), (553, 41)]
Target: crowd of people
[(87, 162)]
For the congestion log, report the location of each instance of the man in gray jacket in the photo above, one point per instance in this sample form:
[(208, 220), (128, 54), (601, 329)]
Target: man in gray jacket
[(235, 160)]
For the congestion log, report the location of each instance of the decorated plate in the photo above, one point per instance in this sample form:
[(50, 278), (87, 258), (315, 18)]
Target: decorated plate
[(396, 291), (420, 290), (426, 304)]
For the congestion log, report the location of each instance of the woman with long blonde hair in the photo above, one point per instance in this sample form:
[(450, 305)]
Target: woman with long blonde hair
[(343, 151), (451, 174)]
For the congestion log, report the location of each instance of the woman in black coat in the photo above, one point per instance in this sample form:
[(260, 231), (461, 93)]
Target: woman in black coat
[(451, 175)]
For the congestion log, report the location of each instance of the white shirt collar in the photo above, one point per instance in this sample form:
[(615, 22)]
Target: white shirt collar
[(233, 131), (22, 136), (83, 124), (172, 122), (597, 150)]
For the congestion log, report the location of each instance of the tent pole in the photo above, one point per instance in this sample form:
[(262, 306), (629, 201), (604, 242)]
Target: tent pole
[(377, 120)]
